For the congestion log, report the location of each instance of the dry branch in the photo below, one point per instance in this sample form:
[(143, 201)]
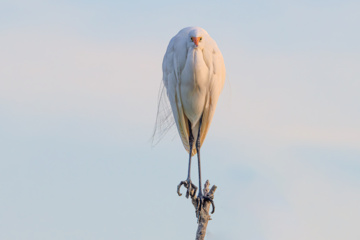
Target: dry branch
[(203, 215)]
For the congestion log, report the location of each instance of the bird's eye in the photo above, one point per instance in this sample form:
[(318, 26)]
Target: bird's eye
[(200, 38), (191, 39)]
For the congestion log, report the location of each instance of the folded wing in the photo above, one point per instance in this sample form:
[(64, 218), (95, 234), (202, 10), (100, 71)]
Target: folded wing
[(173, 64)]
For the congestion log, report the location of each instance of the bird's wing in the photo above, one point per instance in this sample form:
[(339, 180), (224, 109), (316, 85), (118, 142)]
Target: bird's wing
[(173, 63), (215, 61)]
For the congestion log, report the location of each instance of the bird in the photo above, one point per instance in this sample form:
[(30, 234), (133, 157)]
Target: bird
[(193, 78)]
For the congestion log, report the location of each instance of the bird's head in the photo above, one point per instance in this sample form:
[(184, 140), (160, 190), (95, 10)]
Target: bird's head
[(196, 37)]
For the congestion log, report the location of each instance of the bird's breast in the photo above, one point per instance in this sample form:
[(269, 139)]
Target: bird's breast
[(194, 85)]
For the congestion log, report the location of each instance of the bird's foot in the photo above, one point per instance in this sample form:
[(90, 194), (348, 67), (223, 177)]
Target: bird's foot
[(202, 200), (191, 188)]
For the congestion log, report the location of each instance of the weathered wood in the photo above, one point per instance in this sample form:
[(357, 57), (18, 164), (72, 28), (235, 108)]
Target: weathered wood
[(203, 215)]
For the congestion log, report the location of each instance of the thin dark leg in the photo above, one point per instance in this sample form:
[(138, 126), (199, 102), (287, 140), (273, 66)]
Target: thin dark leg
[(201, 197), (191, 142), (198, 155), (187, 183)]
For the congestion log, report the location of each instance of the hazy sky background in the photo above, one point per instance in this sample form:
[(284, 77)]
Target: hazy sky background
[(78, 94)]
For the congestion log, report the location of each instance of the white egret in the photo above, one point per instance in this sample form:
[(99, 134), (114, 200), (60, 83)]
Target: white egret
[(193, 76)]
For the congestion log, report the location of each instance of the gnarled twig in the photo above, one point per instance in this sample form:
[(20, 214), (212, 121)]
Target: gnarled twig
[(203, 215)]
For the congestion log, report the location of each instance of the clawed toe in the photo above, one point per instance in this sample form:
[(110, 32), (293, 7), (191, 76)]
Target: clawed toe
[(191, 188), (201, 201)]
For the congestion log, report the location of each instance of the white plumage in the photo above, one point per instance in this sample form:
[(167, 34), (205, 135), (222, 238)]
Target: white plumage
[(193, 77)]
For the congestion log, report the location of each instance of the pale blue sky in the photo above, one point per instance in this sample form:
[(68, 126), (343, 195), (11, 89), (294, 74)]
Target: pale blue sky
[(78, 92)]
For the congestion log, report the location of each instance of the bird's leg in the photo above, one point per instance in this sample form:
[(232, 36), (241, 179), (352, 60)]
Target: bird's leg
[(191, 188), (201, 198)]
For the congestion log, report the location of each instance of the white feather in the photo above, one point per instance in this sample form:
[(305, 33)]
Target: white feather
[(193, 77)]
